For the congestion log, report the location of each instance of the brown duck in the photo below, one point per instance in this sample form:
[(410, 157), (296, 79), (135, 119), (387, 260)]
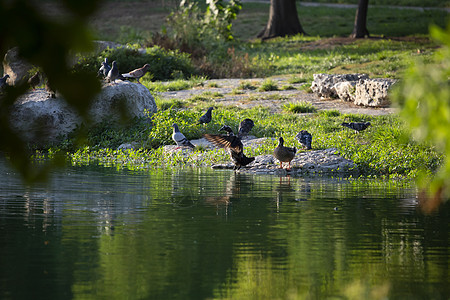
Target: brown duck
[(234, 146), (284, 154)]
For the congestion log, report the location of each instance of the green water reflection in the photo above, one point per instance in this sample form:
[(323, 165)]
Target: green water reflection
[(98, 233)]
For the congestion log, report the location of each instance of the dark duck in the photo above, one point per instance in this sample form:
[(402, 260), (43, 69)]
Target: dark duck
[(234, 146), (283, 153)]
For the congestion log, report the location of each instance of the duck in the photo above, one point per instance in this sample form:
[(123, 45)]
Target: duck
[(358, 126), (234, 146), (227, 129), (283, 153)]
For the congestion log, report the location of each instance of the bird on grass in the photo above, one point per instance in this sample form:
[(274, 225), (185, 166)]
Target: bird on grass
[(358, 126), (245, 126), (234, 146), (113, 74), (206, 118), (3, 80), (137, 73), (180, 139), (104, 68), (34, 80), (283, 153), (305, 138)]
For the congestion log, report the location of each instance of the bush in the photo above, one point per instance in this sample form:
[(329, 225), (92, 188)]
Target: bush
[(163, 63)]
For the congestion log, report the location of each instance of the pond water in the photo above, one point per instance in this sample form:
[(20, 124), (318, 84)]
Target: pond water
[(99, 233)]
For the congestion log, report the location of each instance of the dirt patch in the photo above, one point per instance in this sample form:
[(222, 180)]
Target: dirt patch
[(274, 100)]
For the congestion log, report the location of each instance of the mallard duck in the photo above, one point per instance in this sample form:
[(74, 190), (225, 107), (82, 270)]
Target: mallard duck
[(305, 138), (284, 154), (180, 139), (358, 126), (207, 117), (234, 146), (227, 129)]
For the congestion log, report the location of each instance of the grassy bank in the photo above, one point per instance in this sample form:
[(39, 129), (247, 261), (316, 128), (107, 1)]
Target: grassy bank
[(384, 149)]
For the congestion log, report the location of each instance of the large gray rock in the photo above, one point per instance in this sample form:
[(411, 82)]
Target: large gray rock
[(41, 120), (15, 67), (373, 92), (324, 84)]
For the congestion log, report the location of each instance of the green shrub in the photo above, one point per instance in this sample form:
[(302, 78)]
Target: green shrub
[(163, 63), (300, 107)]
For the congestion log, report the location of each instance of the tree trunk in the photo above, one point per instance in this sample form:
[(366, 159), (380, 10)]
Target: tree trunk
[(360, 29), (283, 20)]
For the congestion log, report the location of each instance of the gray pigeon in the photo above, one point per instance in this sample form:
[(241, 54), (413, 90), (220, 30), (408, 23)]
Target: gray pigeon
[(3, 80), (245, 126), (358, 126), (206, 118), (113, 74), (305, 138), (180, 139), (138, 73), (104, 69)]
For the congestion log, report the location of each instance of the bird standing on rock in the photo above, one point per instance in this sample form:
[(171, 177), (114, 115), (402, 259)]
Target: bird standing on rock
[(234, 146), (137, 73), (358, 126), (113, 73), (245, 126), (180, 139), (305, 138), (3, 80), (206, 118), (283, 153), (104, 69)]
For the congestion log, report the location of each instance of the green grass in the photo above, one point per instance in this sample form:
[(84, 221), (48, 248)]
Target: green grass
[(300, 107), (384, 149)]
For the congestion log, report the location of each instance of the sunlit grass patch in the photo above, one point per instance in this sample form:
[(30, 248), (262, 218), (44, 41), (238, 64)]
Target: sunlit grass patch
[(300, 107), (246, 85), (268, 85)]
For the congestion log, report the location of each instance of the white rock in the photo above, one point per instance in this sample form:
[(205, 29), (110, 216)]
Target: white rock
[(323, 84), (373, 92), (40, 120), (345, 90)]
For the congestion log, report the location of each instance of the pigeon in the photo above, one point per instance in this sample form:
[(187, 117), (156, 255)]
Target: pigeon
[(227, 129), (180, 139), (113, 73), (104, 69), (284, 154), (245, 126), (234, 146), (206, 118), (34, 80), (358, 126), (3, 81), (305, 138), (138, 73)]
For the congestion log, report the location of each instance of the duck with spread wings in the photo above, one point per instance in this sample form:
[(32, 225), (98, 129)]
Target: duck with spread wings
[(234, 146)]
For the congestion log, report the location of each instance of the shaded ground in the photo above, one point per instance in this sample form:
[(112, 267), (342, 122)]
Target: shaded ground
[(274, 100)]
